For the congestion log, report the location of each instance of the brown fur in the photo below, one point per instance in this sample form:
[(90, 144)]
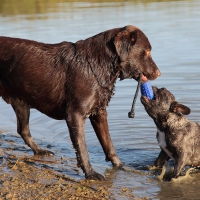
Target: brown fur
[(72, 81)]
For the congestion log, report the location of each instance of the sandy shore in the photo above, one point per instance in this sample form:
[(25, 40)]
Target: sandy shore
[(24, 176)]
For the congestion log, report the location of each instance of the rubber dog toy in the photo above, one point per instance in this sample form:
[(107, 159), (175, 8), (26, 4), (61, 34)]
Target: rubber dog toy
[(147, 90)]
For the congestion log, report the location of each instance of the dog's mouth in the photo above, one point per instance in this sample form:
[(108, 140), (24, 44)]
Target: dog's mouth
[(135, 75), (145, 100), (144, 77)]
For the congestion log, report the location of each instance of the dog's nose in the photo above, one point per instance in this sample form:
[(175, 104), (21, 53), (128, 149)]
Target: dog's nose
[(158, 72)]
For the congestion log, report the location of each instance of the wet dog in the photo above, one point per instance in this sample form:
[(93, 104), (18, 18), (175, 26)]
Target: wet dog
[(73, 82), (178, 137)]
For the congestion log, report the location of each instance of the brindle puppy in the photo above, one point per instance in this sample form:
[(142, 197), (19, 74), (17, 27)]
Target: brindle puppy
[(73, 81), (178, 137)]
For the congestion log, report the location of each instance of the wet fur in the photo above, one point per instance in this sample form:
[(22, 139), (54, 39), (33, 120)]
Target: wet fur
[(182, 136), (72, 81)]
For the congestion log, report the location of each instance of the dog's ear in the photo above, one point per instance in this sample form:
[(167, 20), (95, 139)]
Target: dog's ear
[(123, 41), (179, 108)]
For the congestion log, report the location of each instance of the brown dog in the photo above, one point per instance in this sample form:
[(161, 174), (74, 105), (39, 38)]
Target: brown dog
[(72, 81)]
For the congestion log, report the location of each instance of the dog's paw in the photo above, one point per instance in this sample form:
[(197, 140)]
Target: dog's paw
[(95, 176), (118, 165), (116, 162), (43, 152)]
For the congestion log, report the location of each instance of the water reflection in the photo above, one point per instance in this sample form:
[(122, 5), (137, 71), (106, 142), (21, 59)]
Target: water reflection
[(173, 30), (30, 7)]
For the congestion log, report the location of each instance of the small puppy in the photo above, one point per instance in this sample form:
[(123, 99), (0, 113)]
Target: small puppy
[(178, 137)]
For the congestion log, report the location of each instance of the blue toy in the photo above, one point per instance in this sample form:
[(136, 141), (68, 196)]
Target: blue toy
[(147, 90)]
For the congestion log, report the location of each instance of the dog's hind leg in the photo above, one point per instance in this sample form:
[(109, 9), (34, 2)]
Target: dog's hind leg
[(100, 125), (22, 111)]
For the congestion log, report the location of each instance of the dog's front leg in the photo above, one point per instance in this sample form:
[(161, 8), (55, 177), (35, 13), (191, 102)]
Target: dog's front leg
[(161, 159), (180, 163), (100, 125), (76, 124)]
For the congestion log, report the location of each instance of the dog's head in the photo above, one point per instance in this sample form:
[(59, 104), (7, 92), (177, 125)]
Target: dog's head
[(134, 51), (163, 104)]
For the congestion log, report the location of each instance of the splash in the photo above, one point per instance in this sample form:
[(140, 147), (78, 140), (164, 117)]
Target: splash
[(167, 172)]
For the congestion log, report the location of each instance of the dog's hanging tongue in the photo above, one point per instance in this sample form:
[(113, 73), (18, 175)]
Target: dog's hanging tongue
[(144, 78)]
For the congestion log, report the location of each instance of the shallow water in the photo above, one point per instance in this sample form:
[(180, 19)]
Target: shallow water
[(173, 30)]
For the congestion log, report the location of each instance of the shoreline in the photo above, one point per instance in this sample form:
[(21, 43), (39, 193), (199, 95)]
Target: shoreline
[(24, 176)]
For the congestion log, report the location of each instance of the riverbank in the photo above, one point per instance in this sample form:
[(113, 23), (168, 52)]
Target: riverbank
[(23, 176)]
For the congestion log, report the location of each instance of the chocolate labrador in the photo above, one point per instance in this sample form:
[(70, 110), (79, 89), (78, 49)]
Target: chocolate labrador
[(178, 137), (73, 82)]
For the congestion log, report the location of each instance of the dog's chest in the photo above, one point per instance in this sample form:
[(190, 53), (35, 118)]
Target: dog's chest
[(162, 143)]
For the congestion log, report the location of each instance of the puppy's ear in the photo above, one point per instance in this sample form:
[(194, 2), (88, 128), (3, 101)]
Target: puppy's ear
[(179, 108), (123, 41)]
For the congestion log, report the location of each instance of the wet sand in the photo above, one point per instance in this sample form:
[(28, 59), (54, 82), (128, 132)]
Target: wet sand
[(23, 176), (21, 179)]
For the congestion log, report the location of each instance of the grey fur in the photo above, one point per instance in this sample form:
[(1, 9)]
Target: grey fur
[(182, 136)]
